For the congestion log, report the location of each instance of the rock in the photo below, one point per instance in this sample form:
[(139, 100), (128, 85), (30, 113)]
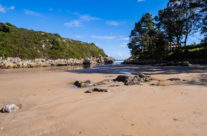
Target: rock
[(11, 62), (83, 84), (88, 91), (100, 90), (10, 108), (144, 78), (128, 79), (133, 79), (108, 60), (87, 62), (174, 79), (97, 90)]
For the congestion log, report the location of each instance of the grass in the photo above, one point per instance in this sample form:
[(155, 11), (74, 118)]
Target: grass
[(29, 44)]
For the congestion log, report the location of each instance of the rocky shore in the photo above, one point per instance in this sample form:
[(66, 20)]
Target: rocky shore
[(156, 62), (11, 62)]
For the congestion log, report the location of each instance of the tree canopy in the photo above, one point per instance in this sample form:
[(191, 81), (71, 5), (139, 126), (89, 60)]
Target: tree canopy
[(169, 30)]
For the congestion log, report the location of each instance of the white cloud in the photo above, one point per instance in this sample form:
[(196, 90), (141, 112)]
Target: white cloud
[(5, 9), (2, 9), (125, 38), (11, 8), (74, 23), (86, 17), (103, 37), (32, 13), (140, 0), (80, 20), (113, 23), (124, 44)]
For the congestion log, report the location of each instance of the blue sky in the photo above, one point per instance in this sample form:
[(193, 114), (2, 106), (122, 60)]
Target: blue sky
[(107, 23)]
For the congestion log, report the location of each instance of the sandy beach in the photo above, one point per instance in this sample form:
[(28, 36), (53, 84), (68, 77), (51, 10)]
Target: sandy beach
[(50, 106)]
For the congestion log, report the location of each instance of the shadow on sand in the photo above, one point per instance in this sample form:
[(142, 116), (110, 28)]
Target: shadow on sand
[(147, 69), (201, 70)]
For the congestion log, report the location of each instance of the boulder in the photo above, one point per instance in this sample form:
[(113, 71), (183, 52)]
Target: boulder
[(128, 79), (87, 62), (144, 78), (108, 60), (83, 84), (10, 108), (132, 79)]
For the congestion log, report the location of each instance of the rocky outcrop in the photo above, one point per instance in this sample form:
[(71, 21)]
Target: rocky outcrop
[(132, 79), (9, 108), (156, 62), (83, 84), (10, 62)]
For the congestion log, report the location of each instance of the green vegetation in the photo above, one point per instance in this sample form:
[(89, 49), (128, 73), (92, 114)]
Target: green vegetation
[(29, 44), (165, 36)]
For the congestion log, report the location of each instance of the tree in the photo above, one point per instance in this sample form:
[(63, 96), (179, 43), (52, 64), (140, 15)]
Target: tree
[(190, 15), (142, 35), (179, 19), (146, 41), (203, 12), (170, 23)]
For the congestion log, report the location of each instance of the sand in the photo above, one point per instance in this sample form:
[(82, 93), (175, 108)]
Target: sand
[(51, 107)]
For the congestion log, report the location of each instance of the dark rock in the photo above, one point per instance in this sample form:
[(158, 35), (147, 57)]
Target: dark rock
[(83, 84), (144, 78), (128, 79), (100, 90), (87, 62), (108, 60), (141, 75), (174, 79), (97, 90), (133, 79)]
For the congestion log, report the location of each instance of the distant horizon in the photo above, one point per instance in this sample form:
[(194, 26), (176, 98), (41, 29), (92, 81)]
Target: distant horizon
[(106, 23)]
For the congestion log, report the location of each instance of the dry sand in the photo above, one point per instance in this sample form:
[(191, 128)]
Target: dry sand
[(51, 107)]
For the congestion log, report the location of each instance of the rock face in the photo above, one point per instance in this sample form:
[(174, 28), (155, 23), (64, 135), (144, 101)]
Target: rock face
[(10, 108), (132, 79), (83, 84), (11, 62)]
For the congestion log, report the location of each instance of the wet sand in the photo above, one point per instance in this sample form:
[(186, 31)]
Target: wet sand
[(51, 107)]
